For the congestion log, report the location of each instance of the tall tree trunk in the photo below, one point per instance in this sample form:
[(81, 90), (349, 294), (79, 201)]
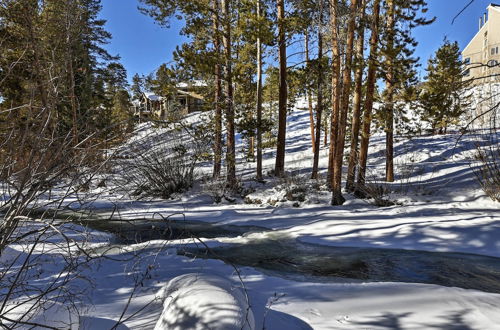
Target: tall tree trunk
[(230, 148), (72, 96), (217, 94), (389, 104), (319, 101), (279, 168), (309, 96), (337, 198), (37, 62), (259, 97), (71, 74), (251, 149), (356, 115), (325, 136), (360, 189), (336, 88)]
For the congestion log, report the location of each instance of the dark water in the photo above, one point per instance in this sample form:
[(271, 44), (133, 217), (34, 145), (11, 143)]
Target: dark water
[(286, 257), (289, 256), (142, 230)]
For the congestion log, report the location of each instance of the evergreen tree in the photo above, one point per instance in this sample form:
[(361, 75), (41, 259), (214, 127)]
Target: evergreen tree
[(343, 106), (52, 58), (356, 113), (137, 87), (442, 94), (279, 168), (360, 189), (398, 46)]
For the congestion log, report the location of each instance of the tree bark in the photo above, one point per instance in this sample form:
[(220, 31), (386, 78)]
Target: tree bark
[(319, 101), (389, 104), (336, 90), (360, 189), (259, 98), (217, 94), (337, 198), (356, 115), (230, 148), (279, 169), (325, 137), (309, 96)]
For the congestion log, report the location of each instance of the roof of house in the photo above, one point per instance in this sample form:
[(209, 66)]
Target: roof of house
[(494, 6), (194, 83), (192, 94), (153, 97)]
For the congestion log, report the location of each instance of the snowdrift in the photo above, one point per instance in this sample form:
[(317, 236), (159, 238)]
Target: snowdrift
[(200, 301)]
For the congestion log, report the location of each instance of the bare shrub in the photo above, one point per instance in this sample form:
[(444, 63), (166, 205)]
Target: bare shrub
[(28, 289), (162, 163), (488, 173), (375, 190), (42, 164), (485, 128), (487, 169), (378, 194), (219, 189), (160, 173), (296, 187)]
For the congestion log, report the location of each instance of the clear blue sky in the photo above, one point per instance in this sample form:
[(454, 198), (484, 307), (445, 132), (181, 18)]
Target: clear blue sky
[(143, 45)]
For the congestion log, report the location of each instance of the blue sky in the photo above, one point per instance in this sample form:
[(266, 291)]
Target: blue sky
[(143, 45)]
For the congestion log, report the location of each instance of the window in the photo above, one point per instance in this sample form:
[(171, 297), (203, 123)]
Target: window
[(467, 60), (494, 50), (467, 73), (492, 63)]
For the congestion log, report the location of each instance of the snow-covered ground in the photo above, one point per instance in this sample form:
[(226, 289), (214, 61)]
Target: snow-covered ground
[(439, 206)]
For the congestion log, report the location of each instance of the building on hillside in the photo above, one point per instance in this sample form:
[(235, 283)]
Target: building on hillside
[(189, 96), (482, 66), (148, 105), (188, 99), (482, 55)]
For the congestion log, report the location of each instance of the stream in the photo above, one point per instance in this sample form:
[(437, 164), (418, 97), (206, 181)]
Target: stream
[(279, 255)]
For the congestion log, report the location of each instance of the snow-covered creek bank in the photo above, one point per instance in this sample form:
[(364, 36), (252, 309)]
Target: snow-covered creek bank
[(275, 253)]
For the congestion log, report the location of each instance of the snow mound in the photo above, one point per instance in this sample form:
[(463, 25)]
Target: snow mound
[(50, 316), (57, 316), (201, 301)]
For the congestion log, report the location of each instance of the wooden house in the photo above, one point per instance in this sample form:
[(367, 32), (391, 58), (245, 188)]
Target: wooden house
[(187, 99)]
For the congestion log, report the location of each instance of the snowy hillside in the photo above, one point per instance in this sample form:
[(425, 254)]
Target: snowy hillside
[(290, 252)]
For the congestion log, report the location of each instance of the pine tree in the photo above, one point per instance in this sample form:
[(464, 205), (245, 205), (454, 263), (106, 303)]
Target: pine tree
[(441, 98), (337, 198), (279, 168), (398, 46), (259, 91), (60, 39), (360, 189), (357, 101), (137, 87), (319, 90), (217, 91)]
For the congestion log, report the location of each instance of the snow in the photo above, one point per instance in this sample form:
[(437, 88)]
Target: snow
[(153, 97), (193, 83), (439, 206), (57, 316), (200, 301)]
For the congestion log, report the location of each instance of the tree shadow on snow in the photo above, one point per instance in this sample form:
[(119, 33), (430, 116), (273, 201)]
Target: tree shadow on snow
[(89, 322), (454, 321)]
